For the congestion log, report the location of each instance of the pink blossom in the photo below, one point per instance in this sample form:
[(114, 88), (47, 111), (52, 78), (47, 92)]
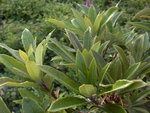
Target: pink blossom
[(88, 3)]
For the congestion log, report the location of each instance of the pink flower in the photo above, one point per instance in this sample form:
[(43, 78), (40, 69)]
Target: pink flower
[(88, 3)]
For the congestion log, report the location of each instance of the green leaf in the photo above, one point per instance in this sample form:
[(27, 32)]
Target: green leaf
[(70, 49), (74, 40), (30, 53), (144, 69), (115, 17), (27, 39), (123, 57), (136, 84), (23, 55), (29, 94), (81, 64), (84, 8), (23, 75), (140, 110), (97, 24), (14, 66), (74, 28), (5, 81), (141, 95), (142, 44), (30, 106), (65, 103), (3, 107), (56, 58), (142, 13), (56, 22), (33, 70), (115, 70), (40, 52), (103, 47), (75, 23), (14, 53), (120, 84), (95, 47), (92, 13), (126, 85), (60, 50), (108, 15), (79, 19), (87, 57), (146, 42), (113, 108), (61, 77), (87, 39), (93, 77), (130, 37), (99, 59), (103, 72), (87, 22), (48, 81), (48, 37), (82, 77), (143, 25), (10, 62), (87, 89), (129, 74)]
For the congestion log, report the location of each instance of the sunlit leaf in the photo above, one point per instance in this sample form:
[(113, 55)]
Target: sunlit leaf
[(87, 89), (144, 12), (74, 40), (33, 70), (27, 39), (61, 77), (10, 62), (5, 81), (126, 85), (60, 50), (142, 25), (92, 13), (65, 103), (3, 107), (15, 53)]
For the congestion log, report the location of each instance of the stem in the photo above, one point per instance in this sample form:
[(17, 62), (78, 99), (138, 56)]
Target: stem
[(113, 58), (104, 52), (94, 101), (54, 95), (45, 87)]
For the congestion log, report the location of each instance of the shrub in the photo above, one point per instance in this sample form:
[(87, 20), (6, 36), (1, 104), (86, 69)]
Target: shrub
[(108, 75)]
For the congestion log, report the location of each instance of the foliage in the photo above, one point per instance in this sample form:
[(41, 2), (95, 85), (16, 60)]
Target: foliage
[(16, 15), (4, 108), (25, 66), (109, 70), (98, 77), (145, 13)]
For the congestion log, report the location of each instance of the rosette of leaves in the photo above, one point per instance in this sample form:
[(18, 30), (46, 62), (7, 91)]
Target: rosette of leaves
[(145, 13), (24, 65), (101, 23), (105, 74), (95, 76)]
